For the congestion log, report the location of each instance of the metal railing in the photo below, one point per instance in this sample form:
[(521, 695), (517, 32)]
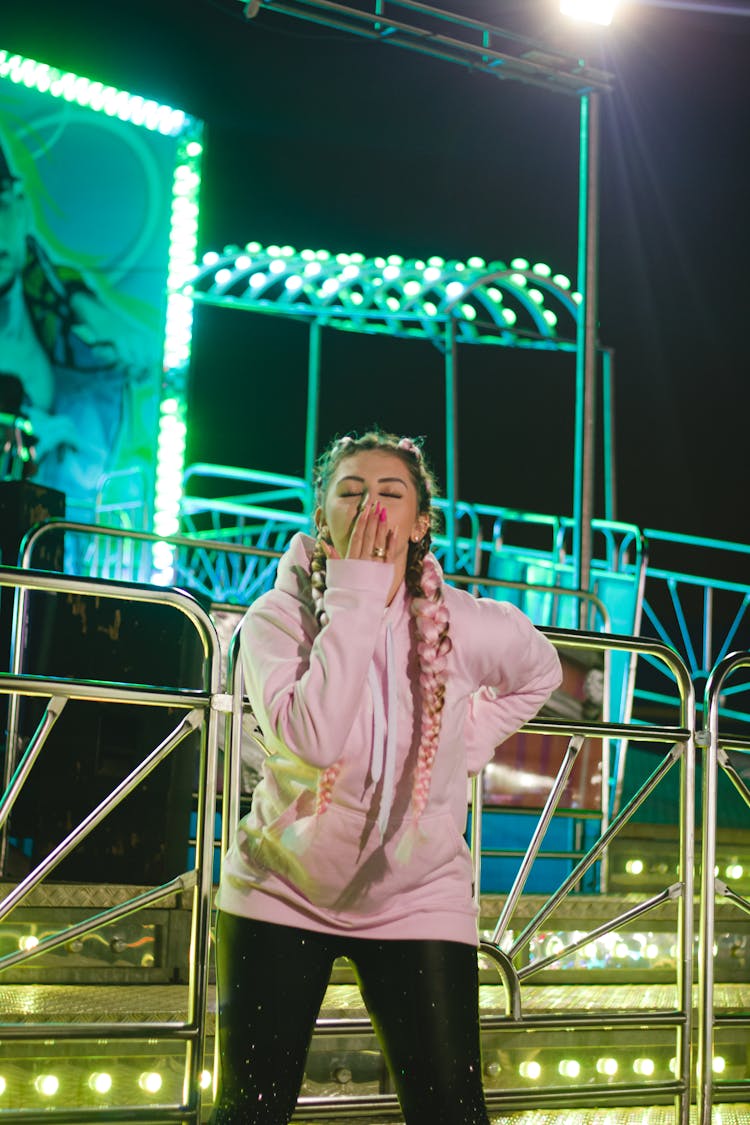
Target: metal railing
[(201, 713), (679, 740), (717, 760), (204, 709)]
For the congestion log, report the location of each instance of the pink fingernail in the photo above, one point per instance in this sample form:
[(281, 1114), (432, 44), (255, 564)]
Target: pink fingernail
[(383, 515)]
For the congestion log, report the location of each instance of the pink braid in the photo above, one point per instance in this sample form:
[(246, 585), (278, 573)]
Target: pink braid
[(328, 777), (433, 645), (326, 782)]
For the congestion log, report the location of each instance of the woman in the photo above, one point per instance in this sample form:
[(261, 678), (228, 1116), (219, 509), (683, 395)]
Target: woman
[(378, 690)]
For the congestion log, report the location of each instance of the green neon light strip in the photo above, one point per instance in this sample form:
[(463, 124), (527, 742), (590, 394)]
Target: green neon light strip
[(520, 305), (164, 119), (93, 95)]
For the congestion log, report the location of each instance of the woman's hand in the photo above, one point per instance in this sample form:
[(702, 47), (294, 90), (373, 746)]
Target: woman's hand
[(371, 538)]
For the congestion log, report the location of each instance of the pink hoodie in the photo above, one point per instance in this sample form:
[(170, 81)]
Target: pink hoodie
[(346, 693)]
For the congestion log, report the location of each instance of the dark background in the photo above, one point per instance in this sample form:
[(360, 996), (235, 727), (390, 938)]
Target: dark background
[(315, 138)]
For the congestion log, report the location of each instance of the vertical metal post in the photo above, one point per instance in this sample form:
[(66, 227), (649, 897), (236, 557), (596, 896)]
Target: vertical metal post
[(586, 357), (608, 427), (451, 439), (707, 926), (313, 406)]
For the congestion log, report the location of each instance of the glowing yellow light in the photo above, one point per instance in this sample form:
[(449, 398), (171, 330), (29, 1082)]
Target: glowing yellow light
[(719, 1064), (606, 1066), (27, 942), (644, 1067), (634, 866), (47, 1084), (530, 1070), (569, 1068), (100, 1082), (735, 871), (150, 1081), (204, 1079), (2, 1085), (651, 951)]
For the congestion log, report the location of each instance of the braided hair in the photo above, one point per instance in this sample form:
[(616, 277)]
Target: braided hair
[(423, 583)]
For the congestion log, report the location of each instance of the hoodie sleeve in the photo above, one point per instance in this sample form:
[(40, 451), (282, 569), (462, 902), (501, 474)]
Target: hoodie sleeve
[(306, 684), (516, 669)]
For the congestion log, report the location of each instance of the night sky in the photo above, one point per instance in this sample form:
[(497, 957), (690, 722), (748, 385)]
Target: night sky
[(319, 139)]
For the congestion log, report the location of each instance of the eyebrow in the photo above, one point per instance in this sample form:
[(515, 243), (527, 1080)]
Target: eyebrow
[(381, 480)]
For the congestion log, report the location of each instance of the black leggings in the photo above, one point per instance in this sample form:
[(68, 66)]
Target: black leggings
[(422, 997)]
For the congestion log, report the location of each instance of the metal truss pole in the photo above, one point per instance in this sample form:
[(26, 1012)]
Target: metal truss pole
[(586, 349), (313, 408), (451, 439)]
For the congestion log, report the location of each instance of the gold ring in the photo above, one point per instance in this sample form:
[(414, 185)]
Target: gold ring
[(378, 552)]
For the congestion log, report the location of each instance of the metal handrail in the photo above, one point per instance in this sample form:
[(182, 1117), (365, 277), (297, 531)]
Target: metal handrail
[(203, 708), (679, 1019), (714, 759)]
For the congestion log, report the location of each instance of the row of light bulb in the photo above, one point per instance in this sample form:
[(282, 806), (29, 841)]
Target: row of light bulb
[(571, 1068), (101, 1082), (731, 871), (151, 1081)]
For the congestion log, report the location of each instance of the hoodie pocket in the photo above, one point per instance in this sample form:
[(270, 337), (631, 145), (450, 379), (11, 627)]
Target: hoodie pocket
[(338, 861)]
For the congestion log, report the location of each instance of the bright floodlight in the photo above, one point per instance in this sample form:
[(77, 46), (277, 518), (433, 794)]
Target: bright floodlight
[(593, 11)]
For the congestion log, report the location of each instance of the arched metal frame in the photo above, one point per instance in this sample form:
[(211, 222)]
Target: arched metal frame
[(506, 56)]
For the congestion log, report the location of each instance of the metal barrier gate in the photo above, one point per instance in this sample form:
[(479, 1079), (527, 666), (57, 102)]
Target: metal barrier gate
[(201, 708), (679, 741), (717, 760)]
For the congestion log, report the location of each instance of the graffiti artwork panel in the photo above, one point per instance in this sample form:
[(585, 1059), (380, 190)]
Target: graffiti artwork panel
[(84, 241)]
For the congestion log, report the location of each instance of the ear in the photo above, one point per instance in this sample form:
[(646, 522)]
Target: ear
[(319, 518)]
